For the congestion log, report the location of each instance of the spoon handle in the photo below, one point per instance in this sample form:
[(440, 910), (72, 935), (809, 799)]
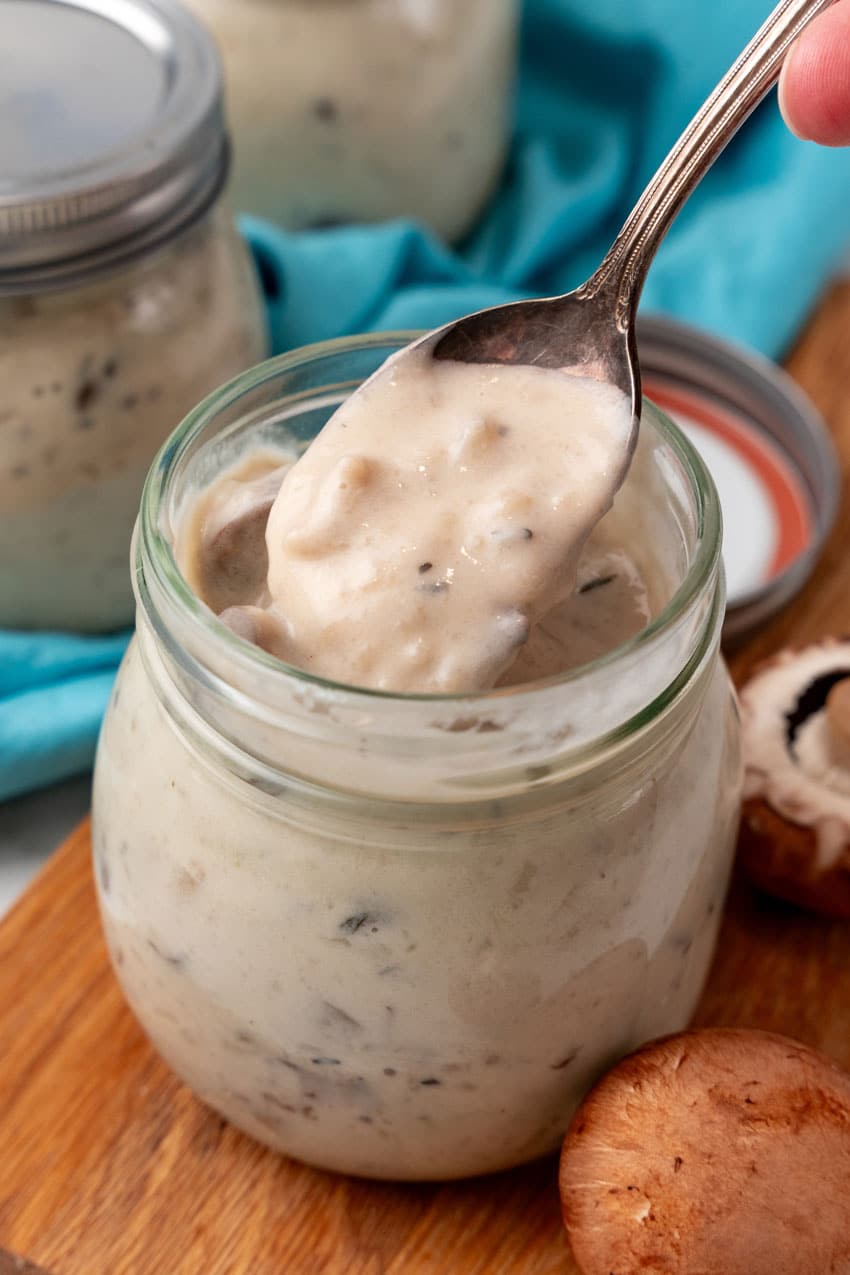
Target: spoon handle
[(718, 119)]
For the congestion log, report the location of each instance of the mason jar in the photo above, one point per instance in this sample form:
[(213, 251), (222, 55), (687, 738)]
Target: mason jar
[(126, 294), (400, 935), (361, 110)]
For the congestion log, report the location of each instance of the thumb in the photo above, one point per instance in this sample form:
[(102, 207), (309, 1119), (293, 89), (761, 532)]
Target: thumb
[(814, 88)]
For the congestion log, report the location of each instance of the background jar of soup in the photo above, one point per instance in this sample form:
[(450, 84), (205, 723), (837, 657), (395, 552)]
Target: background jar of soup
[(360, 110), (125, 292), (399, 936)]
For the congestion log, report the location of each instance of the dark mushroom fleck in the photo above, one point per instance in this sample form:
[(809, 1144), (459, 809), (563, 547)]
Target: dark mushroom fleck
[(326, 110), (273, 1101), (425, 567), (281, 1061), (511, 535), (170, 958), (597, 583), (334, 1017), (103, 874), (368, 921), (86, 394)]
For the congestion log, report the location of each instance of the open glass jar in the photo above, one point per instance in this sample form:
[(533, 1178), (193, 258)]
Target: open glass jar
[(399, 936), (126, 294), (361, 110)]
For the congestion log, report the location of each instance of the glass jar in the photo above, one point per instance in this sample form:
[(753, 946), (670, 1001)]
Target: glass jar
[(126, 294), (399, 936), (360, 110)]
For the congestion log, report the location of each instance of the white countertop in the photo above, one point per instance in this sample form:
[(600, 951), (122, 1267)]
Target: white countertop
[(32, 827)]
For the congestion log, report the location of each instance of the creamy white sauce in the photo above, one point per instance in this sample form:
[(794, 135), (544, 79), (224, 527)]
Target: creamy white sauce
[(427, 531)]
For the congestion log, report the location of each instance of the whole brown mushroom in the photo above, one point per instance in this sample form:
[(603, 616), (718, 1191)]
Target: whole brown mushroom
[(716, 1152), (795, 824)]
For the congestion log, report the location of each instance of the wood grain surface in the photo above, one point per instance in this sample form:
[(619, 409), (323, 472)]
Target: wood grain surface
[(108, 1166)]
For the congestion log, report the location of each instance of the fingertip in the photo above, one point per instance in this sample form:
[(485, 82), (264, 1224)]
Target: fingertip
[(788, 108), (814, 87)]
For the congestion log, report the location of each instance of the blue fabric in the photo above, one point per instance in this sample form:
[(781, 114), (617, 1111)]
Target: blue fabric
[(604, 91), (53, 691)]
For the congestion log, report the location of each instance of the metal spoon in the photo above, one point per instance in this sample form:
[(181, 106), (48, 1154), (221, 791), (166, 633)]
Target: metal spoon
[(591, 331)]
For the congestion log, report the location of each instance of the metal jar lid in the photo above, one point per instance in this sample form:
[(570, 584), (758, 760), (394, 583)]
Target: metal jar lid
[(768, 451), (112, 134)]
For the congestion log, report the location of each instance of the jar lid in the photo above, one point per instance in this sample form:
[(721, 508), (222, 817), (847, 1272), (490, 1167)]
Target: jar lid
[(767, 449), (112, 133)]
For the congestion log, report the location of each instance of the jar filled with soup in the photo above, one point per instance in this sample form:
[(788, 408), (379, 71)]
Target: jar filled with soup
[(361, 110), (399, 934), (126, 293)]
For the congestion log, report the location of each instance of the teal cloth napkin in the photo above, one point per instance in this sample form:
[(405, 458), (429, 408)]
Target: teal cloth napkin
[(604, 91)]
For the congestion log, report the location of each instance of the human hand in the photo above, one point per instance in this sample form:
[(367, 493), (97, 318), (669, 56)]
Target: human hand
[(814, 88)]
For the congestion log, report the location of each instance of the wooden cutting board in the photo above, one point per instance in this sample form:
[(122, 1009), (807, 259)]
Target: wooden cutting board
[(108, 1166)]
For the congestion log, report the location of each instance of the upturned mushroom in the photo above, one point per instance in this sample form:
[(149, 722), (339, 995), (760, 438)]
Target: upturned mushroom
[(795, 828)]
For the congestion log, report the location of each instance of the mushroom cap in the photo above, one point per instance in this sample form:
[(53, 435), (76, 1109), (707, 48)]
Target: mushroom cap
[(724, 1151), (782, 858)]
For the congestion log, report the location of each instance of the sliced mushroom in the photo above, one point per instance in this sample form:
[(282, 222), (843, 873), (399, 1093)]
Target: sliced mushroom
[(231, 562), (260, 628), (716, 1152)]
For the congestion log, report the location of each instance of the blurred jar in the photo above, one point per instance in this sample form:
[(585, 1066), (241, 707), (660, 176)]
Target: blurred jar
[(125, 292), (361, 110)]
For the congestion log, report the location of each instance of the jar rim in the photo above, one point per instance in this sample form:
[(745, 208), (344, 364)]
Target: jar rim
[(153, 546)]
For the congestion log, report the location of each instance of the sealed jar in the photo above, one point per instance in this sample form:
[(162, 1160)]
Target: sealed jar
[(400, 935), (360, 110), (126, 294)]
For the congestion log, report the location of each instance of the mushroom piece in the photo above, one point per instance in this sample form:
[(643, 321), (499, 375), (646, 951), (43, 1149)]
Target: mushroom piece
[(795, 826), (717, 1152), (231, 559), (260, 628)]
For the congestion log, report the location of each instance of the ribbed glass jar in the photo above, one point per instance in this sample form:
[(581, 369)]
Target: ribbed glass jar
[(399, 936)]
